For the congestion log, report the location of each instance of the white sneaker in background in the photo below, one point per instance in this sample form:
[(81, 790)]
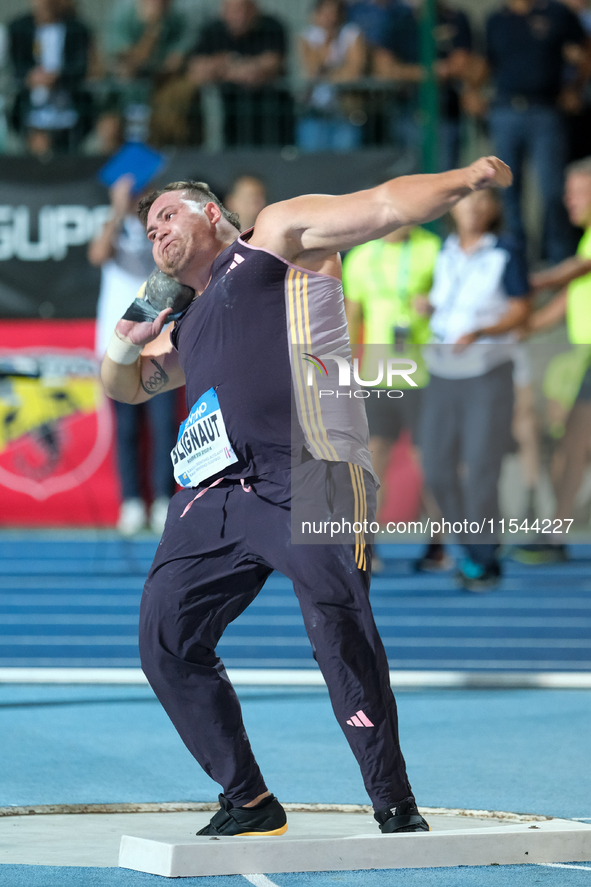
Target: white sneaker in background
[(158, 513), (132, 517)]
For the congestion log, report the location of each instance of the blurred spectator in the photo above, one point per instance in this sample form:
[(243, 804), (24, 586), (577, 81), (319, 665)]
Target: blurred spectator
[(386, 283), (582, 8), (479, 295), (391, 32), (247, 197), (331, 51), (392, 35), (50, 49), (453, 37), (526, 428), (108, 134), (577, 98), (147, 42), (125, 256), (147, 39), (573, 302), (528, 43), (244, 51)]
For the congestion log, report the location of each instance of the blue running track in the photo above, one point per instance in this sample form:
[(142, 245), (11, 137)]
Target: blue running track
[(72, 599)]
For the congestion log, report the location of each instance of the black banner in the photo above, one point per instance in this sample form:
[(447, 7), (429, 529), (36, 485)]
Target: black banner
[(50, 211)]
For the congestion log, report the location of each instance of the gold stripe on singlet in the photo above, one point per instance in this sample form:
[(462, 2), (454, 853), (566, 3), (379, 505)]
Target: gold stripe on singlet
[(308, 397)]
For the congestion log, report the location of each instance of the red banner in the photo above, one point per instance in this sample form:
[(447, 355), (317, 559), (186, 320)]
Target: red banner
[(56, 428)]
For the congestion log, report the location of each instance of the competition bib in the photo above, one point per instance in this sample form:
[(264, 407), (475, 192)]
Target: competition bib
[(202, 448)]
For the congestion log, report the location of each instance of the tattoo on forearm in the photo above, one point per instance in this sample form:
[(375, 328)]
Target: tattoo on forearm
[(156, 381)]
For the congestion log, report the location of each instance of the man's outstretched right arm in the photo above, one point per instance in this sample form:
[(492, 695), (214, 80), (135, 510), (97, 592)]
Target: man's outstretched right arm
[(141, 361), (313, 227)]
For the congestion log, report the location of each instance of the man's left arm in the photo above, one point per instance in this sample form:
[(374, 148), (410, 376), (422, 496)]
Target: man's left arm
[(316, 226)]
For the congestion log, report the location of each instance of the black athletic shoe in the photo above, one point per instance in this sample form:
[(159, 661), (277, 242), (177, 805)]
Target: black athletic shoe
[(267, 818), (405, 817)]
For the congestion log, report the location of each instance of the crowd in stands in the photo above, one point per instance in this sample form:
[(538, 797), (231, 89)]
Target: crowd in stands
[(351, 78), (348, 78)]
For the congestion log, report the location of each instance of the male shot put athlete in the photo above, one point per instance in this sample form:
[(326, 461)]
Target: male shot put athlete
[(258, 295)]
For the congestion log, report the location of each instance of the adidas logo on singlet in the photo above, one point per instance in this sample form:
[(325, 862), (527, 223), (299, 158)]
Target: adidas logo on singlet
[(238, 259)]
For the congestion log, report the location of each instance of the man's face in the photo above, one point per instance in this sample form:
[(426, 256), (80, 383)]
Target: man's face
[(178, 229), (577, 198), (238, 15)]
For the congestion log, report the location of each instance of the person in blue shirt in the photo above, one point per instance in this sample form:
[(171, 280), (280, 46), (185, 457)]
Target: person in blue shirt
[(453, 39), (391, 33), (388, 24), (529, 43)]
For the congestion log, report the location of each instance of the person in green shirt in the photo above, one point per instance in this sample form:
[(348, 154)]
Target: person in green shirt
[(146, 43), (572, 303), (147, 38), (386, 283)]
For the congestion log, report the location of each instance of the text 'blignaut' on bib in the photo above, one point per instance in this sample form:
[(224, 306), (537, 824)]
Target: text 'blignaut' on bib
[(202, 447)]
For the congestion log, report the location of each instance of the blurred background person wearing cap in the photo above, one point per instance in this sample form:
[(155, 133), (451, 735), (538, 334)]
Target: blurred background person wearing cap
[(124, 255)]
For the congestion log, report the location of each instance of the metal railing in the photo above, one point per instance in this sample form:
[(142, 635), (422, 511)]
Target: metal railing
[(310, 115)]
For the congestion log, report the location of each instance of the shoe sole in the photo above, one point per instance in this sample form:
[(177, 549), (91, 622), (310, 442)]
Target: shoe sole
[(277, 831), (422, 826), (402, 831)]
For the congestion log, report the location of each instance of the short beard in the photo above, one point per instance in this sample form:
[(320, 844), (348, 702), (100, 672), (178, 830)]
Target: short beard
[(172, 260)]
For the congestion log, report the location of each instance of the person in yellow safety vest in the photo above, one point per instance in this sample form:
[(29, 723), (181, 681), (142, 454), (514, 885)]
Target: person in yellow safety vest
[(386, 283), (572, 279)]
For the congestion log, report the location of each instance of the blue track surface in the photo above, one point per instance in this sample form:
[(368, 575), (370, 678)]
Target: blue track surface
[(525, 751), (72, 599), (506, 876), (519, 750)]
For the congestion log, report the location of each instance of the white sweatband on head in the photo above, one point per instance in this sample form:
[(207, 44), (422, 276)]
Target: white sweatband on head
[(122, 352)]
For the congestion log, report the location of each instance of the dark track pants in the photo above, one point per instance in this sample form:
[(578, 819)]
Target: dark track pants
[(209, 567)]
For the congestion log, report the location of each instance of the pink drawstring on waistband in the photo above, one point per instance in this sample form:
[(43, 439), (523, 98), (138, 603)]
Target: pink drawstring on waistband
[(246, 489)]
